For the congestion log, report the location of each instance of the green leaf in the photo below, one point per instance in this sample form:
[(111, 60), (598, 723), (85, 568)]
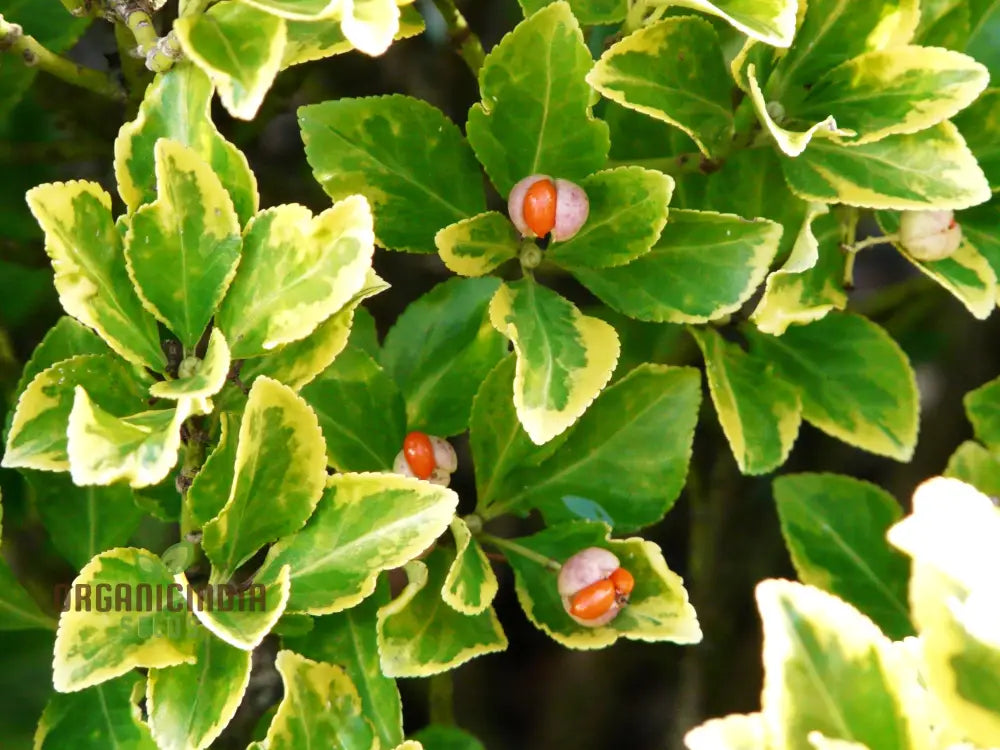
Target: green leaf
[(474, 247), (183, 248), (113, 626), (370, 25), (297, 363), (976, 123), (930, 169), (278, 479), (297, 270), (361, 413), (769, 21), (241, 617), (983, 409), (445, 737), (177, 106), (91, 278), (834, 527), (67, 338), (365, 523), (979, 230), (672, 70), (497, 438), (984, 34), (349, 639), (899, 90), (189, 705), (624, 462), (810, 283), (943, 23), (587, 12), (855, 383), (658, 609), (704, 266), (828, 669), (471, 584), (534, 117), (320, 708), (198, 378), (140, 448), (37, 437), (419, 634), (564, 358), (952, 537), (83, 521), (404, 156), (628, 210), (439, 350), (966, 273), (975, 465), (240, 48), (209, 491), (305, 10), (733, 732), (18, 610), (90, 719), (314, 40), (760, 423), (831, 32)]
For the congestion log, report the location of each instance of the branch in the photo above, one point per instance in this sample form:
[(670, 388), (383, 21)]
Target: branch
[(160, 52), (33, 54), (467, 44)]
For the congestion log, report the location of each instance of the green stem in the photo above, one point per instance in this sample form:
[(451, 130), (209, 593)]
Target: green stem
[(442, 699), (78, 8), (689, 163), (160, 53), (519, 549), (469, 47), (16, 42)]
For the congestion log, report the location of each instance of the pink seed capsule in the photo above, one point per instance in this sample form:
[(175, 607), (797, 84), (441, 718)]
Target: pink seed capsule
[(587, 587), (539, 205), (929, 235)]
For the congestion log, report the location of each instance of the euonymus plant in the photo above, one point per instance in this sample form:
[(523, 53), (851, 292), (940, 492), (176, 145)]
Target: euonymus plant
[(701, 166)]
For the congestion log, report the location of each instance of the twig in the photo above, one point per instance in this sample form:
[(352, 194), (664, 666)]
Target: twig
[(467, 43), (160, 52), (14, 41), (519, 549)]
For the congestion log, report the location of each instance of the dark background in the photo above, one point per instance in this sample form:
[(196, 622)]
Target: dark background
[(722, 536)]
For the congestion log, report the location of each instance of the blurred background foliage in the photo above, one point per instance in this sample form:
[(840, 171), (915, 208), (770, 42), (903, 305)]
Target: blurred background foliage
[(722, 536)]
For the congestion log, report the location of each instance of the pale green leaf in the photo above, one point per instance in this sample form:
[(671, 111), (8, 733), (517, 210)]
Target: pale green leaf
[(474, 247), (278, 479), (587, 12), (183, 248), (190, 704), (305, 10), (67, 338), (733, 732), (930, 169), (177, 106), (349, 639), (975, 465), (564, 358), (365, 523), (241, 617), (239, 47), (209, 491), (672, 70), (471, 584), (320, 708), (440, 349), (829, 669), (419, 634), (18, 610), (140, 448), (854, 381), (770, 21), (760, 421), (102, 635), (198, 378), (91, 277), (297, 270), (314, 40), (983, 408), (404, 156), (37, 436), (704, 266), (370, 25), (534, 117), (977, 124)]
